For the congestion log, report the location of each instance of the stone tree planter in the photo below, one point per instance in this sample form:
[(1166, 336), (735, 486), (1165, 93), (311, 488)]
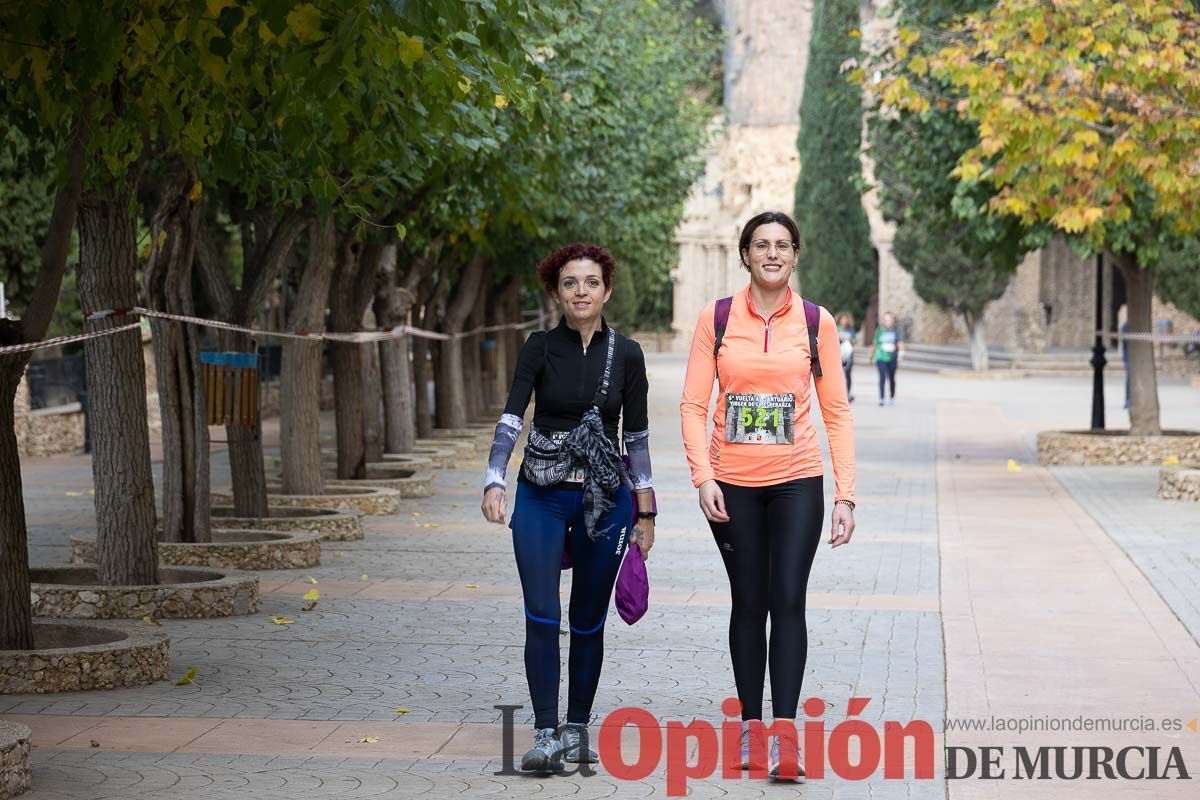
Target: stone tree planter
[(408, 482), (184, 593), (350, 499), (16, 774), (232, 549), (329, 524), (1087, 448), (78, 656), (1180, 482)]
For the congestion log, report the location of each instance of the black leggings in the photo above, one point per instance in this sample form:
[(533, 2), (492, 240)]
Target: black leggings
[(887, 374), (768, 547)]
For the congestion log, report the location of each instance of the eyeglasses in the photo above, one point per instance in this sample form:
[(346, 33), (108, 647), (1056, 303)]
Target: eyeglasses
[(760, 247)]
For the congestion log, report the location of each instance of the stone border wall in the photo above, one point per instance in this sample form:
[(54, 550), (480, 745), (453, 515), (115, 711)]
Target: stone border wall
[(283, 550), (16, 773), (364, 500), (1083, 448), (232, 594), (142, 655), (337, 526), (1180, 482)]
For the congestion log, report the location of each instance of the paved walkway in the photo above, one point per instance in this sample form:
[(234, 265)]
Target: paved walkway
[(969, 591)]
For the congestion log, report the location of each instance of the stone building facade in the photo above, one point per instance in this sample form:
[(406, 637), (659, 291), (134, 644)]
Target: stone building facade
[(753, 165)]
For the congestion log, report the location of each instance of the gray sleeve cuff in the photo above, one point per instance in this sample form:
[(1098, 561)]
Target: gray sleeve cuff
[(637, 445), (508, 429)]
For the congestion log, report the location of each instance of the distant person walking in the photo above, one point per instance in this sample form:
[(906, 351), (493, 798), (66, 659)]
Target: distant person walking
[(886, 353), (846, 338)]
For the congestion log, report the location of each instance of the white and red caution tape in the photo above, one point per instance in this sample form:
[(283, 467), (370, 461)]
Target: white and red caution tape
[(28, 347), (359, 337)]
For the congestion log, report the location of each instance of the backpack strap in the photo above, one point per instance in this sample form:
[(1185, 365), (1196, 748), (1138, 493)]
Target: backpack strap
[(812, 319), (720, 323)]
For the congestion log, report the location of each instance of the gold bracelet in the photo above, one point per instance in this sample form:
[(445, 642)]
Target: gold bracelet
[(848, 503)]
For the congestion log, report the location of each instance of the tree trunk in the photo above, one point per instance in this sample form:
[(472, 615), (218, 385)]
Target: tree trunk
[(507, 310), (472, 356), (977, 334), (168, 287), (267, 242), (16, 619), (347, 365), (16, 612), (392, 305), (431, 293), (1143, 380), (126, 546), (372, 396), (302, 370), (451, 379)]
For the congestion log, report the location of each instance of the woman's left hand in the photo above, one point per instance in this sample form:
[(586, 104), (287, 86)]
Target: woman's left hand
[(841, 525), (643, 536)]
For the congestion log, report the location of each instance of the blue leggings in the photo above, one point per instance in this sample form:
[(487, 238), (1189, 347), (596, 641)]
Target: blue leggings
[(887, 374), (546, 518)]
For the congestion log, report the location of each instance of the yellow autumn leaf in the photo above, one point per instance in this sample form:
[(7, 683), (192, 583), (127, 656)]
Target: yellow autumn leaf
[(428, 525), (854, 33), (74, 494), (500, 101), (403, 710), (305, 22), (151, 621), (369, 740), (91, 492), (312, 594), (188, 677), (278, 620), (465, 84), (411, 49), (197, 192), (1170, 461), (472, 585), (362, 577), (1013, 466), (311, 579)]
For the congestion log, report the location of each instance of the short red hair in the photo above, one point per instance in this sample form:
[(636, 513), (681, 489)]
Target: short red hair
[(552, 264)]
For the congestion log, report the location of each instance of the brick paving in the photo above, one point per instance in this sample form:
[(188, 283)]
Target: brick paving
[(435, 627)]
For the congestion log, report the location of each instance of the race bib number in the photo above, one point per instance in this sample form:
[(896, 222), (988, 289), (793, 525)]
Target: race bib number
[(577, 474), (760, 418), (887, 347)]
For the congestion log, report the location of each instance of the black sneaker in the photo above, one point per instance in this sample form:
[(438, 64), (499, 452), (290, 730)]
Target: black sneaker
[(546, 754)]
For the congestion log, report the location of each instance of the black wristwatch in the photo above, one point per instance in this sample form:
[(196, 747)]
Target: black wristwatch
[(647, 514)]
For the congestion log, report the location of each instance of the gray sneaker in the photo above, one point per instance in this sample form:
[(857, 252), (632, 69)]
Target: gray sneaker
[(773, 771), (752, 737), (546, 754), (575, 744)]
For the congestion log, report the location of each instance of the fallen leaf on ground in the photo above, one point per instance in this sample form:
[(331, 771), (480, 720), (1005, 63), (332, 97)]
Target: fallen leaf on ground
[(310, 606), (282, 620), (74, 494), (312, 594), (1170, 461), (456, 505), (428, 525), (403, 710), (151, 620), (369, 740), (362, 577), (311, 579), (94, 743), (1013, 466), (188, 677), (472, 585), (418, 514), (91, 492)]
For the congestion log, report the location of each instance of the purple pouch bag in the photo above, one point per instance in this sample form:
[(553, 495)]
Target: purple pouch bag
[(633, 586)]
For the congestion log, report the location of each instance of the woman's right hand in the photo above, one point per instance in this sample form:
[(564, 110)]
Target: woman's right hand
[(712, 502), (495, 505)]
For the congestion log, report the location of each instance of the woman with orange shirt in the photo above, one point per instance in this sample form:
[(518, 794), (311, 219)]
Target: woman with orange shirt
[(760, 477)]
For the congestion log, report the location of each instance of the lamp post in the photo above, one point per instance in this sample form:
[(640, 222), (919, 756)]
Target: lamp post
[(1098, 361)]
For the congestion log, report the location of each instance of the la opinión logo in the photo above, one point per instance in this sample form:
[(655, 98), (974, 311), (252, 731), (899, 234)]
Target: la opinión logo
[(822, 750)]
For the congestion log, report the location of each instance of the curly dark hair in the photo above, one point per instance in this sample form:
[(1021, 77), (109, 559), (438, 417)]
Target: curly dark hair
[(552, 264)]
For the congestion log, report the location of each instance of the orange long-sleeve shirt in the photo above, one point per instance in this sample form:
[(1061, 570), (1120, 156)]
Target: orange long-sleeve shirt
[(767, 356)]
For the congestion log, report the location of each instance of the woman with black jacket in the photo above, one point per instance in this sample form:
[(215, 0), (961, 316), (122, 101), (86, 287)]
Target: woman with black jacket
[(573, 492)]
